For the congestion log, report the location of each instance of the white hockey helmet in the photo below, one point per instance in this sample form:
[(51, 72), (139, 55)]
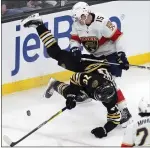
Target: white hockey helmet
[(79, 9), (144, 106)]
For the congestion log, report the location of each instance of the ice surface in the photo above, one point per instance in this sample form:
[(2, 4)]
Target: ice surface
[(71, 128)]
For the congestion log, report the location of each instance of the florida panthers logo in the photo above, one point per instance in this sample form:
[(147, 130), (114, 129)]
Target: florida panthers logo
[(90, 43)]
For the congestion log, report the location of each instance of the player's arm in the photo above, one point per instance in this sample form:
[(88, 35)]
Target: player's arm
[(75, 43), (113, 119), (128, 140), (111, 32), (74, 39)]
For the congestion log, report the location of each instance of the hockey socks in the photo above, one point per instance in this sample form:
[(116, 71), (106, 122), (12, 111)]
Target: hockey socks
[(60, 87), (126, 116), (46, 36), (49, 41)]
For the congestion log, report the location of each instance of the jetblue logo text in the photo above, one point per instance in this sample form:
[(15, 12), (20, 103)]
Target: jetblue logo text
[(25, 48)]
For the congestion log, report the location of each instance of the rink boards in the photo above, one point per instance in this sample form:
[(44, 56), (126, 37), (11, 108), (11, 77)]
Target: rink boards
[(26, 65)]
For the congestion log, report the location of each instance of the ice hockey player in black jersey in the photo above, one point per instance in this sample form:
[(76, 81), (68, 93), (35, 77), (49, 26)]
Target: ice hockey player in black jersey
[(96, 85), (67, 59)]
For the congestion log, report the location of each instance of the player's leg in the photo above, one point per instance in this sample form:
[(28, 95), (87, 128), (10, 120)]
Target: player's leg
[(122, 104), (64, 58), (64, 90), (116, 71)]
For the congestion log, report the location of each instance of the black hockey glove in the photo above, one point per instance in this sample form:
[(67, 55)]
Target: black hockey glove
[(76, 52), (123, 61), (70, 101), (99, 132)]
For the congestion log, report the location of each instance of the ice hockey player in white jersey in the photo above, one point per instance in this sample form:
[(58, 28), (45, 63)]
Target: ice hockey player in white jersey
[(102, 40), (96, 32), (138, 133)]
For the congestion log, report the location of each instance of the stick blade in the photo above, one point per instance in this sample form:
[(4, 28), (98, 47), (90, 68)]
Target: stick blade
[(7, 140)]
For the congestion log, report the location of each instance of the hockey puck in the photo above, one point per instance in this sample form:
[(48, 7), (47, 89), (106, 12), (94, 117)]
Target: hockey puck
[(28, 113)]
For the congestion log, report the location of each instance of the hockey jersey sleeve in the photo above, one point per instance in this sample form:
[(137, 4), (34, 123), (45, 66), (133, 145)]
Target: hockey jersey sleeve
[(128, 139), (74, 40), (111, 31)]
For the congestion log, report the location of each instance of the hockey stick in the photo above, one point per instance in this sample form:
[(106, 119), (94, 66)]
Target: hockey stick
[(10, 143), (99, 61)]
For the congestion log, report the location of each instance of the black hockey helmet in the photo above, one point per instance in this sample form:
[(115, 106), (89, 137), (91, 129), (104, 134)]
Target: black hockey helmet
[(105, 92)]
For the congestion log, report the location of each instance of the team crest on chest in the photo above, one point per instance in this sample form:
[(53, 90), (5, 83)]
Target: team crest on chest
[(90, 43)]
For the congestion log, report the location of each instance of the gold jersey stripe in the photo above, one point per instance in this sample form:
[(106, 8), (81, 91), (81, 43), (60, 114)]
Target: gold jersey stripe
[(115, 117), (48, 38), (51, 44), (115, 122), (44, 33)]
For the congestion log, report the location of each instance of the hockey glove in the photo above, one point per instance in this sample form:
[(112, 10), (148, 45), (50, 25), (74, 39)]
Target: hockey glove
[(70, 101), (123, 61), (99, 132), (76, 52)]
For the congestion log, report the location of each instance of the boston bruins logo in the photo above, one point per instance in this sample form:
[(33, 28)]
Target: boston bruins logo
[(94, 84), (90, 43)]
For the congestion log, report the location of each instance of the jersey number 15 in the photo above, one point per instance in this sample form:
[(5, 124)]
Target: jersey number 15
[(99, 18)]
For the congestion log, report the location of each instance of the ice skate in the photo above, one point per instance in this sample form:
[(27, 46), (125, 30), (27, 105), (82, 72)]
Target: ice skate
[(33, 20), (50, 90), (126, 118)]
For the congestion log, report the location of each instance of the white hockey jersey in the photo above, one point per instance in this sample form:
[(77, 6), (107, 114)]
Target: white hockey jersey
[(101, 37), (137, 133)]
